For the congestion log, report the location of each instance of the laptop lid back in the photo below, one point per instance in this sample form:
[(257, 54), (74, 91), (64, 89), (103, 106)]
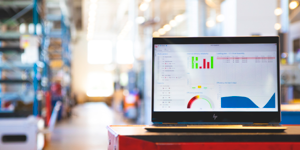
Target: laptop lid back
[(216, 79)]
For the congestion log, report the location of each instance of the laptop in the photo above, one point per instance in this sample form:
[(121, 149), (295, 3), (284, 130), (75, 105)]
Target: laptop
[(215, 83)]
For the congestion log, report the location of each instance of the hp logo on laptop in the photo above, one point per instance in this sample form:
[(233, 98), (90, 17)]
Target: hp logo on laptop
[(215, 117)]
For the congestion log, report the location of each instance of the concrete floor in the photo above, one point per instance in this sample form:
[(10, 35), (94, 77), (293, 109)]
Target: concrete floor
[(86, 130)]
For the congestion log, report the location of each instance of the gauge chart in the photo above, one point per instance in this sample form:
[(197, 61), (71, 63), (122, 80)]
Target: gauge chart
[(200, 102)]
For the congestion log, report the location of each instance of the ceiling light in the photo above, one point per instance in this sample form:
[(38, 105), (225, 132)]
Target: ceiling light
[(144, 6), (278, 11), (167, 27), (161, 31), (179, 18), (155, 34), (277, 26), (147, 1), (140, 20), (220, 18), (294, 4), (22, 28), (173, 23), (210, 23)]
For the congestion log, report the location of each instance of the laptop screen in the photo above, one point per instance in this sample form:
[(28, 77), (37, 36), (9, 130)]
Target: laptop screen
[(215, 77)]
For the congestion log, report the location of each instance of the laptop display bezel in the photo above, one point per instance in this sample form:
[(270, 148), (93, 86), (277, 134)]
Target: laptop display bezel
[(204, 117)]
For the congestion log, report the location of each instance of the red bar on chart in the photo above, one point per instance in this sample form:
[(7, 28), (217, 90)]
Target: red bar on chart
[(204, 63), (200, 67), (207, 65)]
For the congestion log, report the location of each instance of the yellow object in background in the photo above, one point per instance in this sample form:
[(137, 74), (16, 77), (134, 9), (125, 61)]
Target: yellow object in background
[(56, 63), (295, 101), (199, 87), (283, 61)]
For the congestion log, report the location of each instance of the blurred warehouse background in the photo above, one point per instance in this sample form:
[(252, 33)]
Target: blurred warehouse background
[(86, 63)]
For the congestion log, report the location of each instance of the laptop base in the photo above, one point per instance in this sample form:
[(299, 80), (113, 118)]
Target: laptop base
[(215, 128)]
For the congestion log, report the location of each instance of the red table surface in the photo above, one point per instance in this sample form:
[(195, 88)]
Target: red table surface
[(131, 138)]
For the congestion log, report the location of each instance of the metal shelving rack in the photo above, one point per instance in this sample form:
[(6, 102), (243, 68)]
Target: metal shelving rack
[(54, 17), (40, 80), (25, 6)]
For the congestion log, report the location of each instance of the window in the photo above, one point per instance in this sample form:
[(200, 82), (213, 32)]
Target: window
[(99, 52), (100, 84), (124, 52)]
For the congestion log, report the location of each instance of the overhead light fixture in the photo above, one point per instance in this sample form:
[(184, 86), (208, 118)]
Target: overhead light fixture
[(155, 34), (277, 26), (173, 23), (144, 6), (147, 1), (140, 20), (31, 28), (161, 31), (167, 27), (278, 11), (220, 18), (91, 19), (294, 4), (210, 23), (179, 18), (22, 28)]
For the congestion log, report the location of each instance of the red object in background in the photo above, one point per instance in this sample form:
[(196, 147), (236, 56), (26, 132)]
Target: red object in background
[(56, 88), (204, 63), (48, 107), (6, 104), (207, 65)]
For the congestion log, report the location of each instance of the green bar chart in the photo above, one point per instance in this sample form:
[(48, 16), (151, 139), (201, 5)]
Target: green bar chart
[(205, 63)]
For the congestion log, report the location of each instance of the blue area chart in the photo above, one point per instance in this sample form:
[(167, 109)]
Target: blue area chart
[(244, 102), (271, 102), (237, 102)]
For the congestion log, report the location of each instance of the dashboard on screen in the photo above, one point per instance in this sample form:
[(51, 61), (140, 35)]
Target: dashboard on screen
[(215, 77)]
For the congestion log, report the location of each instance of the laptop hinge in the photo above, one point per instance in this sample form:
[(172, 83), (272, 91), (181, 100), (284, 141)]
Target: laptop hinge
[(170, 123), (261, 124)]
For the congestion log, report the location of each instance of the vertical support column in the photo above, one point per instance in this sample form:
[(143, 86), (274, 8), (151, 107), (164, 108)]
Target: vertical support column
[(148, 60), (0, 79), (196, 15), (63, 38), (284, 17), (35, 82), (35, 15), (285, 24), (35, 88)]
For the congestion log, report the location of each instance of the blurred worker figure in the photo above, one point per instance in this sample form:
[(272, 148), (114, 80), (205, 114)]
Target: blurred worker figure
[(56, 96)]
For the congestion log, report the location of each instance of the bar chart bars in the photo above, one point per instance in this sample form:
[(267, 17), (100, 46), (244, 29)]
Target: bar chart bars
[(205, 64)]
